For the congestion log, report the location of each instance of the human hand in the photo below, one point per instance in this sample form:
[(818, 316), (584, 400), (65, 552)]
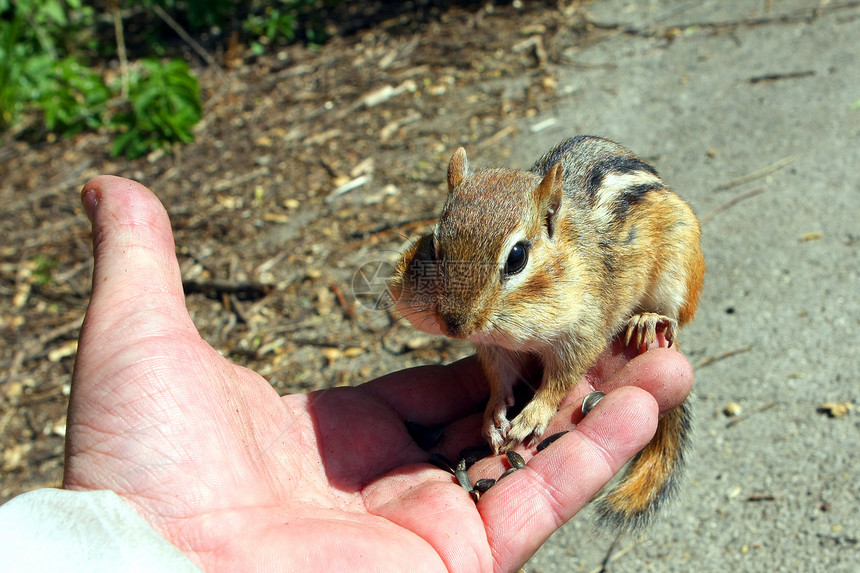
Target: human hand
[(239, 478)]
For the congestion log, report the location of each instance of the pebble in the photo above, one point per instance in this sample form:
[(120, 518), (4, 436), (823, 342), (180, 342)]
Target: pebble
[(331, 354), (835, 409), (732, 409), (418, 342)]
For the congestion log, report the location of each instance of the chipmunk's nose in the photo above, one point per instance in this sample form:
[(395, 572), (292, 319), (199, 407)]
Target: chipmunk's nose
[(453, 323)]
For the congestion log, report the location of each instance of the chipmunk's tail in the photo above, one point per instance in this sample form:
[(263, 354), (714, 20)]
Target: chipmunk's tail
[(651, 478)]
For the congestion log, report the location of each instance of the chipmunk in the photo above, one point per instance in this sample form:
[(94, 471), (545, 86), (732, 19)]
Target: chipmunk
[(551, 264)]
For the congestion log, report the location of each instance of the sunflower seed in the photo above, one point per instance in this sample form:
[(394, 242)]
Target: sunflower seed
[(515, 459), (545, 443), (590, 401), (482, 485)]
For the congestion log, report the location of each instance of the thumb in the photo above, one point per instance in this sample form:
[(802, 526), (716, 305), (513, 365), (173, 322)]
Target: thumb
[(136, 322), (136, 337), (137, 286)]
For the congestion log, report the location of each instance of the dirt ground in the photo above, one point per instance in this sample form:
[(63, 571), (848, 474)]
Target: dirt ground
[(268, 238), (313, 168)]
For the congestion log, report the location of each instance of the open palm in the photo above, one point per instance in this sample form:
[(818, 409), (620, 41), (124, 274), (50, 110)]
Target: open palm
[(239, 478)]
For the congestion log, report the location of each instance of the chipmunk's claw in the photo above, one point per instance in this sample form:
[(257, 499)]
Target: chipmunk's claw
[(496, 424), (529, 425), (642, 329)]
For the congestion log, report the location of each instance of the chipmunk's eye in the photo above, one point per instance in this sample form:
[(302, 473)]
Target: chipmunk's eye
[(517, 259)]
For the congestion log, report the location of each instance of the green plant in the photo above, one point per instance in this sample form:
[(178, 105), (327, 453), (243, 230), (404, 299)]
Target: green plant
[(48, 21), (286, 21), (35, 40), (73, 98), (43, 269), (165, 106), (269, 26), (12, 59), (46, 47)]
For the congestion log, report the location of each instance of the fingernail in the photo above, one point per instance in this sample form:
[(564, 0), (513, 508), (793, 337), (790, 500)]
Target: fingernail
[(90, 199)]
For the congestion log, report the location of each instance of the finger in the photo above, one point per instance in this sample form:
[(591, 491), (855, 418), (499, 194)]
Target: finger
[(664, 372), (521, 511), (437, 394), (137, 307), (135, 269)]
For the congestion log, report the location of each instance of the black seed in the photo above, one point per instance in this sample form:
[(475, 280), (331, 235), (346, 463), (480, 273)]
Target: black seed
[(476, 495), (464, 480), (545, 443), (515, 459), (441, 462), (482, 485), (590, 401), (425, 436), (507, 473)]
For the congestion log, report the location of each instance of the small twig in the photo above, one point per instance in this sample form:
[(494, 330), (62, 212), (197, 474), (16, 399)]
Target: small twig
[(291, 326), (708, 360), (201, 51), (348, 186), (36, 397), (180, 31), (755, 174), (43, 37), (317, 343), (757, 497), (60, 331), (737, 420), (348, 309), (217, 289), (730, 203), (120, 48), (36, 347), (501, 134), (776, 77), (612, 555)]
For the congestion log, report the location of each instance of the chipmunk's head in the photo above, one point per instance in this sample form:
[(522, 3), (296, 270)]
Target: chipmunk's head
[(488, 271)]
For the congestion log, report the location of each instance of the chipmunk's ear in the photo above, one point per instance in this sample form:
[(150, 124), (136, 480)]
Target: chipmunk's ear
[(548, 197), (458, 169)]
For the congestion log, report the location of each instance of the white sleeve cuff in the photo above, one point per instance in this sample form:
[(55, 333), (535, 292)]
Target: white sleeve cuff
[(76, 531)]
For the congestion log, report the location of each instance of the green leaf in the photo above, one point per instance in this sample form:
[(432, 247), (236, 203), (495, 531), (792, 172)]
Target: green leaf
[(54, 11), (165, 106)]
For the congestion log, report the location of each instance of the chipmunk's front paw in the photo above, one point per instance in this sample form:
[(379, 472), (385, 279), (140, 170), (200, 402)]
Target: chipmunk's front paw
[(642, 328), (529, 426), (496, 424)]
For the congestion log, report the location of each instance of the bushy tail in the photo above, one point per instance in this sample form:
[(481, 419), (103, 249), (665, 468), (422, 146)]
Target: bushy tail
[(651, 478)]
